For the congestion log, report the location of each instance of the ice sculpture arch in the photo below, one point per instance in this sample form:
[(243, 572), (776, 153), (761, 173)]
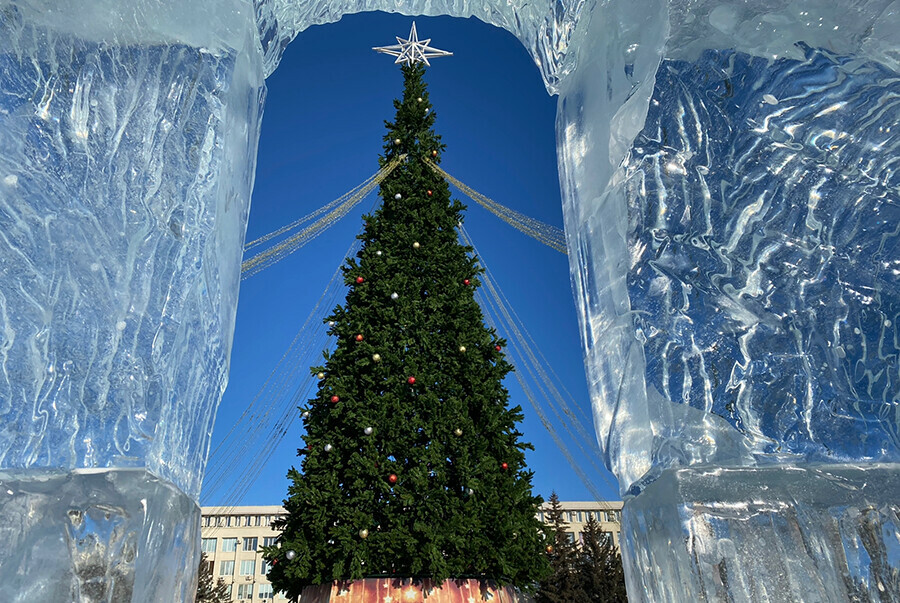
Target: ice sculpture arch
[(729, 197)]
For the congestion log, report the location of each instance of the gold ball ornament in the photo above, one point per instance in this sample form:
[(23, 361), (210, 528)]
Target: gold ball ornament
[(458, 431), (364, 533), (419, 99), (321, 375), (549, 548), (397, 141), (376, 357), (416, 245), (462, 349)]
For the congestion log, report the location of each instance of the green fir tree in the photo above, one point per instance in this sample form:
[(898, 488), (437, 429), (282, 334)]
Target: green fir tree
[(413, 464), (561, 585), (599, 567), (208, 589)]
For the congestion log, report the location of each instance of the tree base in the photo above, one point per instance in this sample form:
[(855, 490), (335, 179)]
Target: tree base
[(406, 590)]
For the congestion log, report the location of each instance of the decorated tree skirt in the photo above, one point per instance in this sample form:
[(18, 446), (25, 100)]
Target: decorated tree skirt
[(397, 590)]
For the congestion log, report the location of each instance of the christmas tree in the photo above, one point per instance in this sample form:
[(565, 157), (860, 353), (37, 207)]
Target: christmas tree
[(413, 465)]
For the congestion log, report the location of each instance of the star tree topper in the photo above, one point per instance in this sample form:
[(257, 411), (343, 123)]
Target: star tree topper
[(412, 50)]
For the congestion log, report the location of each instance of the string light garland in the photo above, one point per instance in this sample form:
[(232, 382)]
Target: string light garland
[(341, 207), (548, 235)]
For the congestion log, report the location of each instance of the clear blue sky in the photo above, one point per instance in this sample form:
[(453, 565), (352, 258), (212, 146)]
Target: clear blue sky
[(321, 135)]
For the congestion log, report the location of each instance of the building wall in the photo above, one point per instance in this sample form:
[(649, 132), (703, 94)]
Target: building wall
[(222, 527)]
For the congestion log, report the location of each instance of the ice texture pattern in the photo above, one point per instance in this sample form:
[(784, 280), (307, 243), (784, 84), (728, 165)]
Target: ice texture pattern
[(125, 175), (107, 536), (764, 257)]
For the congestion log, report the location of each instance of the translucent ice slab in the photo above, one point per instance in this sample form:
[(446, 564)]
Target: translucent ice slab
[(96, 536)]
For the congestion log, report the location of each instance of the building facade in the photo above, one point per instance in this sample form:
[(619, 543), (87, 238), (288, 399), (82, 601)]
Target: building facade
[(233, 538)]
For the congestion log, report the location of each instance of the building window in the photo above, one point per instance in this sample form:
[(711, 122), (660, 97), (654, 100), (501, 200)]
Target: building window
[(571, 537), (263, 567), (614, 516), (226, 568), (228, 591), (229, 545), (248, 520), (581, 537), (207, 521), (541, 516), (220, 521), (600, 516), (269, 541), (250, 544), (571, 516), (245, 591), (208, 545), (257, 520), (265, 591), (248, 567)]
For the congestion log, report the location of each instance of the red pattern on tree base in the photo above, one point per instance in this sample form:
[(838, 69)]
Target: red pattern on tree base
[(378, 590)]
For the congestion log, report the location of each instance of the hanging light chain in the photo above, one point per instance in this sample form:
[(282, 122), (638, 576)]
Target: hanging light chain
[(548, 235)]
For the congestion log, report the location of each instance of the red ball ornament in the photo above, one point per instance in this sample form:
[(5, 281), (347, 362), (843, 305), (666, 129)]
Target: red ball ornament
[(497, 347), (411, 380), (392, 478), (504, 466), (359, 280), (335, 399), (466, 282), (359, 337), (429, 192)]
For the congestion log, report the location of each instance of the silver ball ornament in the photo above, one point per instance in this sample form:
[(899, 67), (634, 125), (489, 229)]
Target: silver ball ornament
[(305, 414), (330, 323), (376, 357), (398, 196), (368, 431), (419, 99), (364, 533), (378, 253), (416, 245), (470, 491), (290, 555), (394, 296), (327, 447)]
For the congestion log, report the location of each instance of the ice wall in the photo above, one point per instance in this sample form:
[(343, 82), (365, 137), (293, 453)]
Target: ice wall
[(127, 144), (732, 229), (128, 137)]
